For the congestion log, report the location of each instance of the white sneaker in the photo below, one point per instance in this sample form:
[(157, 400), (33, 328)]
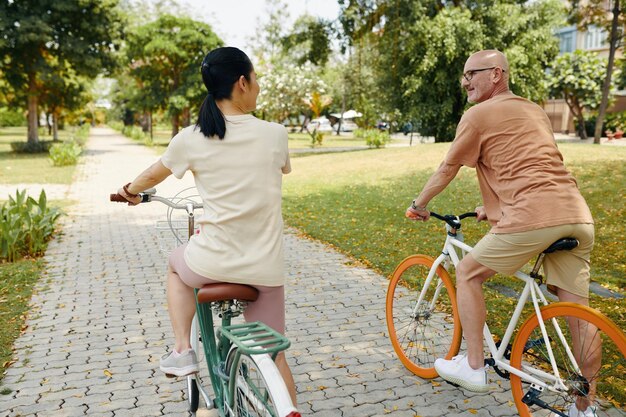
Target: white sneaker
[(179, 364), (575, 412), (459, 372)]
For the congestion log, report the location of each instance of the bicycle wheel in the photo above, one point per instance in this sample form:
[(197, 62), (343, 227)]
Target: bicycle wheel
[(259, 387), (421, 333), (600, 355), (195, 390)]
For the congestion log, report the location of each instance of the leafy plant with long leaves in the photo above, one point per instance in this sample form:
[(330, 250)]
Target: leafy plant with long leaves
[(26, 226)]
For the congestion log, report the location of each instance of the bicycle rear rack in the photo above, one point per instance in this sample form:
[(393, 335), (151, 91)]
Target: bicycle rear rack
[(255, 338)]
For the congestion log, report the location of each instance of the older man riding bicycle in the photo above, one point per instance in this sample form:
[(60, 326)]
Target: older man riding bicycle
[(529, 197)]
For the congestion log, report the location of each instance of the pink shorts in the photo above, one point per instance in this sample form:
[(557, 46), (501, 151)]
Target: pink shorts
[(269, 308)]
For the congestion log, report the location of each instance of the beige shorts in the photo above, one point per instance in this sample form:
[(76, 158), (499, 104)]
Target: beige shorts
[(506, 253)]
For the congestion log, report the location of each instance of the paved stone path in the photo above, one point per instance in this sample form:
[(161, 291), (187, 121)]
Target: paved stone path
[(98, 322)]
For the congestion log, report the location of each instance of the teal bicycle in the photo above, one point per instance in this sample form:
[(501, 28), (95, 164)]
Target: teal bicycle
[(239, 357)]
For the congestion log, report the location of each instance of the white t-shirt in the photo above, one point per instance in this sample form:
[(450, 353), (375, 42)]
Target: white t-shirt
[(239, 179)]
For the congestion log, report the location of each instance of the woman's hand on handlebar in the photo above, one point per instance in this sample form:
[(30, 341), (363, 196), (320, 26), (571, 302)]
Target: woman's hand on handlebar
[(417, 214), (132, 200), (481, 214)]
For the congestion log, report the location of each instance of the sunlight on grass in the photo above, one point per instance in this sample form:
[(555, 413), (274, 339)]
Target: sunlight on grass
[(30, 168), (356, 202)]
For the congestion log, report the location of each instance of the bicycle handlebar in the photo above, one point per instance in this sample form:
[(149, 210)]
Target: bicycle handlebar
[(453, 220), (150, 195)]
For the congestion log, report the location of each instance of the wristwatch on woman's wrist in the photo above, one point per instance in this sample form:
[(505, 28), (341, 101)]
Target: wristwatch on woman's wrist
[(414, 207)]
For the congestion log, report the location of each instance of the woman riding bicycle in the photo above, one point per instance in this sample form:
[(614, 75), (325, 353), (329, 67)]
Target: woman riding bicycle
[(237, 162)]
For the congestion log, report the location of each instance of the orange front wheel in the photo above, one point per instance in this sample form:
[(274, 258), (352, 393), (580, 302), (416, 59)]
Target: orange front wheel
[(423, 331)]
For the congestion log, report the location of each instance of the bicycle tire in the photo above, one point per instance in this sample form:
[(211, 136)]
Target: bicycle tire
[(436, 330), (609, 379), (259, 389), (193, 394), (193, 391)]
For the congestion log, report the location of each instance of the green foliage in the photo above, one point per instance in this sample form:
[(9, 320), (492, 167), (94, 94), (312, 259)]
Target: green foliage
[(58, 39), (27, 225), (285, 89), (578, 78), (317, 138), (374, 138), (309, 41), (81, 135), (16, 287), (136, 133), (65, 153), (164, 58), (10, 117), (615, 121), (41, 146), (422, 45)]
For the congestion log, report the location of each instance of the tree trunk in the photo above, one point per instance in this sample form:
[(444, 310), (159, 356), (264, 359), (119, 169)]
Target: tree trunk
[(580, 127), (33, 132), (606, 87), (151, 126), (577, 111), (49, 124), (175, 124), (186, 117), (55, 126)]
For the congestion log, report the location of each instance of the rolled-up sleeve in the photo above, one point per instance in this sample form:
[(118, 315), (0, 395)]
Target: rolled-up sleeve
[(465, 149), (175, 156)]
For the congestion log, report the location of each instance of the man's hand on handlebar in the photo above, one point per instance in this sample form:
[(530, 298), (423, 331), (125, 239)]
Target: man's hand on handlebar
[(417, 214), (481, 214)]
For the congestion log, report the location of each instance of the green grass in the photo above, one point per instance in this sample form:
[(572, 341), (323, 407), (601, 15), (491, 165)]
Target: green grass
[(30, 168), (16, 287), (356, 202), (163, 134)]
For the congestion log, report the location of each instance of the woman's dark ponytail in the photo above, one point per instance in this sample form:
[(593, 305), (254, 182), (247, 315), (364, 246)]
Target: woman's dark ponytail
[(221, 69)]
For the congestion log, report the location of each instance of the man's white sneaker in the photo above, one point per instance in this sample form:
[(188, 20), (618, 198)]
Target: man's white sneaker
[(459, 372), (575, 412)]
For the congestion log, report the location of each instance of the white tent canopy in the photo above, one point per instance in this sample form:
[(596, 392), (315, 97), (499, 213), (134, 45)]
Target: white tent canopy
[(350, 114)]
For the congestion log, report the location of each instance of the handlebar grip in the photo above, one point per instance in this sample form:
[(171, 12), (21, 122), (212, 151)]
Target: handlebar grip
[(117, 198)]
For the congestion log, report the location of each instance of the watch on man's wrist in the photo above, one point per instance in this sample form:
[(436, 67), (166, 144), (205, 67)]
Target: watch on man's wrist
[(419, 208)]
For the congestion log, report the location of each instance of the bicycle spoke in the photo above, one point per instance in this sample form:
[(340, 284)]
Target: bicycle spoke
[(597, 375)]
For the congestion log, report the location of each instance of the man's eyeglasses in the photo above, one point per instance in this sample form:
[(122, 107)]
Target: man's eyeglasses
[(470, 74)]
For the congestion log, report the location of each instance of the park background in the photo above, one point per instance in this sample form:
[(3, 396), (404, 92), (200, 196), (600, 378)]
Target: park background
[(69, 65)]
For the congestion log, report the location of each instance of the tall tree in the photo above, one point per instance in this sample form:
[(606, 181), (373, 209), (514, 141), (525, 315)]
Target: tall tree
[(578, 78), (423, 45), (62, 90), (164, 57), (37, 35), (610, 16), (309, 41)]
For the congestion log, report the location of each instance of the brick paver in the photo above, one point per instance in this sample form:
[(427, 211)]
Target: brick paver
[(98, 322)]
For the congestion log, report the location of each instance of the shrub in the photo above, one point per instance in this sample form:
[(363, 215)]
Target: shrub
[(66, 153), (115, 125), (26, 227), (81, 135), (136, 133), (373, 137), (10, 117), (27, 147)]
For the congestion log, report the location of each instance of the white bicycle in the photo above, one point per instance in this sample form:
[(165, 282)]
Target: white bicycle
[(547, 371)]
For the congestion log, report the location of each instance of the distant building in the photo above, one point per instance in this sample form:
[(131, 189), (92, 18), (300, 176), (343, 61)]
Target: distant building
[(571, 39)]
